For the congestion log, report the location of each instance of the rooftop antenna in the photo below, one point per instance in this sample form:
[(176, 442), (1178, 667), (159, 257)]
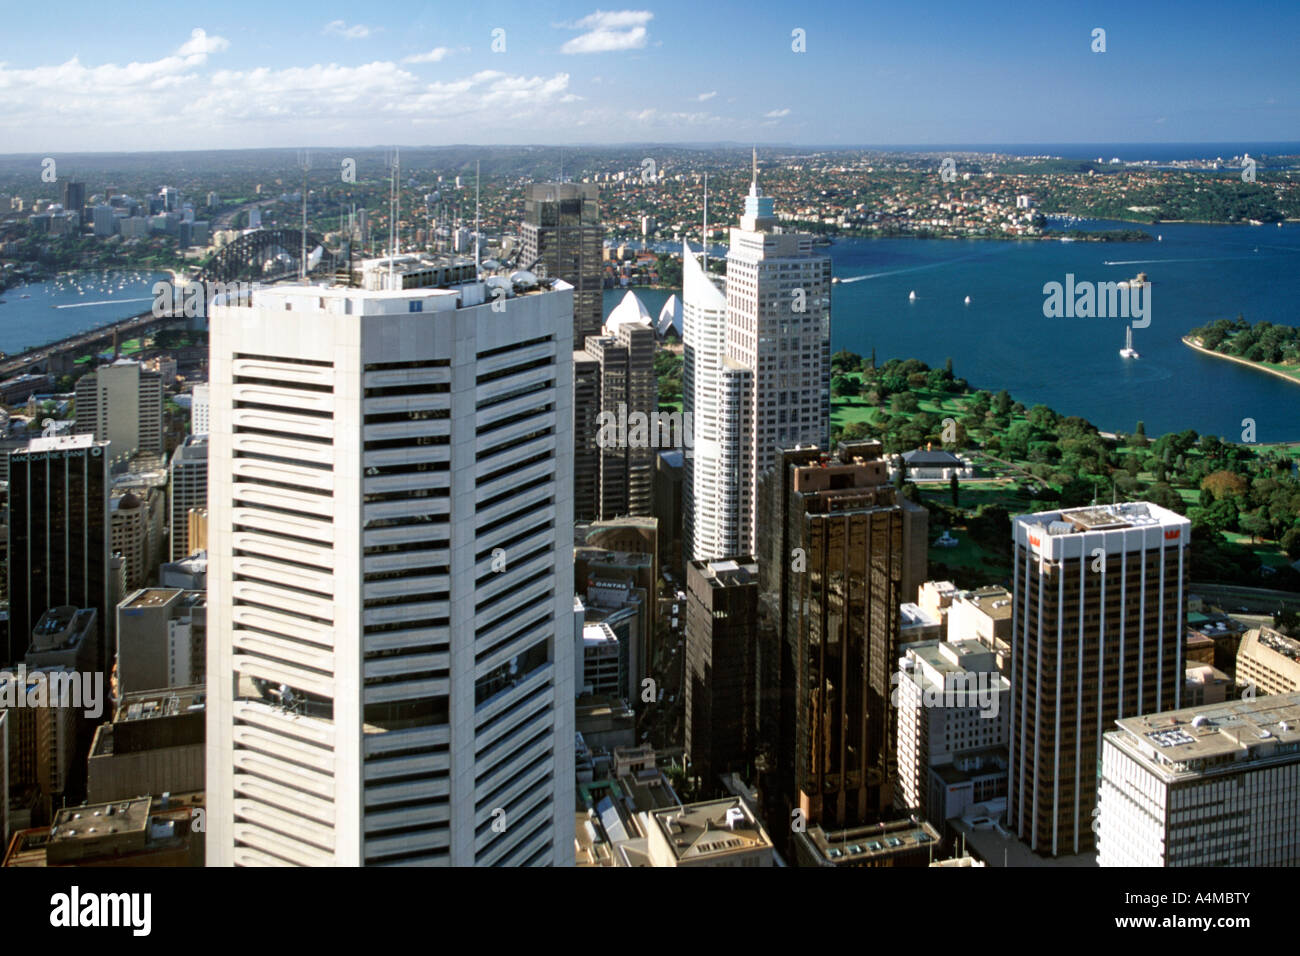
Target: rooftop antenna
[(477, 173), (754, 181), (304, 161)]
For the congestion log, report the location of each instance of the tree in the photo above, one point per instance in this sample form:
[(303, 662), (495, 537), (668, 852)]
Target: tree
[(1002, 403), (845, 361), (842, 386), (955, 487), (1221, 484), (1254, 523), (1291, 543)]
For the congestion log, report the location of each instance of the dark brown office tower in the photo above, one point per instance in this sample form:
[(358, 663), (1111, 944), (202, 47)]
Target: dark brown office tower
[(586, 430), (721, 628), (628, 388), (58, 536), (1097, 635), (838, 557), (562, 237), (74, 199)]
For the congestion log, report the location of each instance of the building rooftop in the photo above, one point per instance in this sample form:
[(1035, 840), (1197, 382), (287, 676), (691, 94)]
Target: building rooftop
[(730, 572), (859, 844), (1128, 514), (994, 601), (159, 597), (1213, 737), (60, 443), (1278, 643), (715, 828), (164, 702)]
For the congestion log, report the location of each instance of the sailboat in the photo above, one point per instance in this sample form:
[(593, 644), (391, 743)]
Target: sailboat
[(1128, 351), (911, 296), (968, 300)]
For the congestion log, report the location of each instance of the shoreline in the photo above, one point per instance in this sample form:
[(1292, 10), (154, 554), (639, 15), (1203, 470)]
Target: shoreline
[(1293, 379)]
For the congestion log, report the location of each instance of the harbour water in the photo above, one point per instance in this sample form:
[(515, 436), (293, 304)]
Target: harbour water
[(1002, 339), (72, 303)]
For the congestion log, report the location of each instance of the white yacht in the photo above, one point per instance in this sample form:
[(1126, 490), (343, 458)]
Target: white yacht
[(1128, 351), (911, 296)]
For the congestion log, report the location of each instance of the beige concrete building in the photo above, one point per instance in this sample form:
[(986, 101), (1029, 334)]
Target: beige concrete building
[(715, 833), (1268, 661), (122, 404)]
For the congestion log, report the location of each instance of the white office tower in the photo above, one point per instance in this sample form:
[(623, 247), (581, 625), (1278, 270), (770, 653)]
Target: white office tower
[(779, 327), (716, 488), (953, 718), (187, 487), (390, 577), (1203, 786)]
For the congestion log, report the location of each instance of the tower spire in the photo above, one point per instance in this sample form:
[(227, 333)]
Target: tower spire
[(754, 181)]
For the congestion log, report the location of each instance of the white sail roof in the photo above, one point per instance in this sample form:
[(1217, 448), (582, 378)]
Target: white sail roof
[(631, 310), (670, 317), (697, 288)]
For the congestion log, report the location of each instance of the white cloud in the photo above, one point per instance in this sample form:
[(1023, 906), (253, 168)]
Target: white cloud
[(200, 44), (357, 31), (433, 56), (74, 105), (705, 97), (776, 114), (608, 31)]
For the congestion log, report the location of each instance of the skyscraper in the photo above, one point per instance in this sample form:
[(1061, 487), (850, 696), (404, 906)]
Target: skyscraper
[(188, 488), (717, 487), (121, 404), (58, 535), (562, 236), (1097, 627), (721, 622), (838, 560), (74, 199), (390, 651), (586, 432), (779, 327), (628, 387)]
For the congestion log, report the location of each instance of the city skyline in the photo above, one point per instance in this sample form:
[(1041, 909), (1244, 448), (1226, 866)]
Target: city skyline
[(646, 74)]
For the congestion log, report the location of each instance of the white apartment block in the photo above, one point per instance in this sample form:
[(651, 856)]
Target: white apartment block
[(953, 711), (779, 327), (186, 489), (390, 583), (1209, 786), (200, 413), (717, 486)]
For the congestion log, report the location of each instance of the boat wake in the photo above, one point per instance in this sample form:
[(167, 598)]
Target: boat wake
[(82, 305), (1144, 262)]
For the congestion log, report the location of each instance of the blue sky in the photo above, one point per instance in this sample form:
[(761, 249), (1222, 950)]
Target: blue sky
[(242, 74)]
